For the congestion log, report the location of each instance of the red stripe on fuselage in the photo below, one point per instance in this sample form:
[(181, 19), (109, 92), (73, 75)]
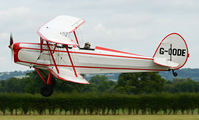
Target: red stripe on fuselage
[(117, 51)]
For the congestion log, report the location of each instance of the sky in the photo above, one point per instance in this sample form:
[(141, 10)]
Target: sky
[(135, 26)]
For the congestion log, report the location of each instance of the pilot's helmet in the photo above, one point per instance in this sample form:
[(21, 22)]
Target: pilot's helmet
[(87, 44)]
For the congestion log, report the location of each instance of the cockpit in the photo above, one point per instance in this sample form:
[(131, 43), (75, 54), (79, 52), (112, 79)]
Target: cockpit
[(87, 46)]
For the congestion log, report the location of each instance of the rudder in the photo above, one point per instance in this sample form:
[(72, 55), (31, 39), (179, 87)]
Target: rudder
[(172, 52)]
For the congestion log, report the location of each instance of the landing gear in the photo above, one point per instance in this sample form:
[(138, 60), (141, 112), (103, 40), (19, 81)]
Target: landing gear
[(49, 84), (175, 74), (47, 89)]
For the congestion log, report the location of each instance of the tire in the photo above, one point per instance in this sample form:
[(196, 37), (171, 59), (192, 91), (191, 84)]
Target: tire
[(46, 90)]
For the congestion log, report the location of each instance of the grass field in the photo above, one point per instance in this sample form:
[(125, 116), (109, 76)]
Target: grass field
[(97, 117)]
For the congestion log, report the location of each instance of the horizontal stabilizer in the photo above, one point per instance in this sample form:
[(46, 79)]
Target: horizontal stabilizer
[(165, 62), (67, 75)]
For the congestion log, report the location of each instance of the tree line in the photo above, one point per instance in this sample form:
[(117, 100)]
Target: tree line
[(128, 83)]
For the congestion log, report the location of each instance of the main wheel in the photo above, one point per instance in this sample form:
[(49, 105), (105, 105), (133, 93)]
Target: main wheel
[(46, 90)]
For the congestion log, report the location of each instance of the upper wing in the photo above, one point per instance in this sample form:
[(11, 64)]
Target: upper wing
[(58, 28), (67, 75)]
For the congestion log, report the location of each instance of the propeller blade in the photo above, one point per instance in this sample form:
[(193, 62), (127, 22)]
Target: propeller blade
[(11, 39)]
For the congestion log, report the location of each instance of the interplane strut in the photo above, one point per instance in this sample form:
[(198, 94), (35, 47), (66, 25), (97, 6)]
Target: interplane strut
[(52, 57)]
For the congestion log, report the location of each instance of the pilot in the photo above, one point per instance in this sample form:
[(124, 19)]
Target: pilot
[(87, 45)]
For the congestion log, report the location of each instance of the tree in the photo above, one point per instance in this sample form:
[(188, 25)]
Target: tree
[(181, 85), (100, 83), (140, 83)]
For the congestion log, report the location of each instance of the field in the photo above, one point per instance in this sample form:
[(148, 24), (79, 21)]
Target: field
[(98, 117)]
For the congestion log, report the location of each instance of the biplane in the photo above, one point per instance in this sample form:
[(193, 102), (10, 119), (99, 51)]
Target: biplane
[(65, 59)]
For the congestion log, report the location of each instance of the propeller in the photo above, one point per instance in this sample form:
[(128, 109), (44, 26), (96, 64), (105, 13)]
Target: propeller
[(11, 41), (11, 46)]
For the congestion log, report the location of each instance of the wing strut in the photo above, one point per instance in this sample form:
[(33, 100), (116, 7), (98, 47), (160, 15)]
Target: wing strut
[(54, 48), (52, 57), (41, 44), (66, 46), (76, 38)]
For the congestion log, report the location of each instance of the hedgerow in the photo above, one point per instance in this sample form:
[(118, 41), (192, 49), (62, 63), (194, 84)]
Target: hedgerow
[(99, 104)]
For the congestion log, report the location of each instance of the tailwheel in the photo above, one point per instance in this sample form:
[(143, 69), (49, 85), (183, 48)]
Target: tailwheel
[(175, 74), (46, 90)]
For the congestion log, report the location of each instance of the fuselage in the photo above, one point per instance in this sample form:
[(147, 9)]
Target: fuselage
[(98, 60)]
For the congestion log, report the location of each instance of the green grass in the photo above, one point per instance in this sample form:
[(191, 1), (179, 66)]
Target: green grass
[(98, 117)]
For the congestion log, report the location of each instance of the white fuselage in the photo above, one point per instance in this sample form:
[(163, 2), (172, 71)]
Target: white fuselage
[(98, 60)]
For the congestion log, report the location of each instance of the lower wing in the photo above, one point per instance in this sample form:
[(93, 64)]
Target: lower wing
[(68, 75)]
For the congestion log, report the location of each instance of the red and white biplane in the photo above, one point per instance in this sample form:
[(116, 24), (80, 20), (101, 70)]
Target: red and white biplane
[(66, 60)]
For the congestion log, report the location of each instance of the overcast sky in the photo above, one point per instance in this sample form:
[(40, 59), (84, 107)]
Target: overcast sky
[(135, 26)]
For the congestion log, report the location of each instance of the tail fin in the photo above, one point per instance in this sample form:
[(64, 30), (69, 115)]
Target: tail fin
[(172, 52)]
